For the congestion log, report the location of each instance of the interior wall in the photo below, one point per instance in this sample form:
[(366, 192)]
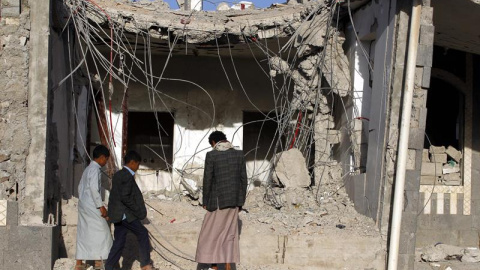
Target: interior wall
[(204, 99)]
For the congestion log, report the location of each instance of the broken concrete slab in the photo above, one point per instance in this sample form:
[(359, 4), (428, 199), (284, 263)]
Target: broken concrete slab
[(290, 170), (454, 153)]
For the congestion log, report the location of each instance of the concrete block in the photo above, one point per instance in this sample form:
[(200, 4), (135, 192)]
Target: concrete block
[(448, 169), (427, 33), (452, 177), (431, 168), (10, 11), (439, 158), (427, 74), (454, 153), (429, 180), (425, 155), (437, 149), (425, 55)]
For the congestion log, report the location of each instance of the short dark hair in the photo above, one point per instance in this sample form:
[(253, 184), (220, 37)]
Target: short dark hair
[(100, 150), (217, 136), (132, 155)]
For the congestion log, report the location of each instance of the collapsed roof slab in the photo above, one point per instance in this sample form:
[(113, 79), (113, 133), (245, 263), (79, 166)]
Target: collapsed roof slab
[(200, 27)]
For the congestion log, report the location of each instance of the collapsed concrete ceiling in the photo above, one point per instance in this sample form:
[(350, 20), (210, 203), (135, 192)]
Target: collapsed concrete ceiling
[(456, 24)]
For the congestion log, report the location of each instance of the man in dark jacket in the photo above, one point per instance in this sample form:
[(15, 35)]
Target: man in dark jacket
[(224, 192), (126, 210)]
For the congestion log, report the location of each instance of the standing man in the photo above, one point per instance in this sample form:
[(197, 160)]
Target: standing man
[(224, 192), (93, 233), (126, 210)]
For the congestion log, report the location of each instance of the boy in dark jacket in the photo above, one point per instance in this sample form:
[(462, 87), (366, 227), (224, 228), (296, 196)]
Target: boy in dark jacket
[(126, 210)]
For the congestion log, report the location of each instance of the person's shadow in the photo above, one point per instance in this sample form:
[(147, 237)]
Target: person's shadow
[(221, 266)]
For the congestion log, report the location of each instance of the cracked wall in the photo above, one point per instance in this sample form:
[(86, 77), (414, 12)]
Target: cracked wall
[(14, 83)]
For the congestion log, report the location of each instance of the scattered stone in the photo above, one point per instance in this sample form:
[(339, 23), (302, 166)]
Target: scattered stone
[(290, 169), (471, 254), (4, 176), (4, 156), (454, 153)]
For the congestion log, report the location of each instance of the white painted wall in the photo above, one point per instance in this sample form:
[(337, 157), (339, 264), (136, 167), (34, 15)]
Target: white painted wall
[(212, 95)]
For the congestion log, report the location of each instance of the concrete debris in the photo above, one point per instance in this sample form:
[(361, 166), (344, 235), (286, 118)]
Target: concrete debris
[(471, 254), (437, 149), (438, 169), (290, 169), (453, 153), (431, 169), (443, 252), (449, 168), (430, 180), (141, 17)]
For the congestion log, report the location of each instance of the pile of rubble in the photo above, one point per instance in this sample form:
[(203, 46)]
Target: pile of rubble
[(442, 256), (441, 166)]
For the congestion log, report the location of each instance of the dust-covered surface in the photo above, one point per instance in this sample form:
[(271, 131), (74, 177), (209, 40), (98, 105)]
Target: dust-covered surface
[(181, 218)]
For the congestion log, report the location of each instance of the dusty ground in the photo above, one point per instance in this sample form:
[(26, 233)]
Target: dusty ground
[(300, 215)]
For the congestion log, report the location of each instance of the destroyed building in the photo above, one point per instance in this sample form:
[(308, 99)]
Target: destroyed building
[(375, 100)]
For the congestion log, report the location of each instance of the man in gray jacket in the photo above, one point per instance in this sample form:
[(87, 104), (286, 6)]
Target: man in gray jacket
[(224, 192)]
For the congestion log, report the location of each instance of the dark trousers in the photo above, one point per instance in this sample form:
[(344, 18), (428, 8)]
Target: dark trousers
[(120, 237)]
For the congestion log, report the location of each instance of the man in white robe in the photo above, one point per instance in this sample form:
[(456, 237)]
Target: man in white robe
[(94, 239)]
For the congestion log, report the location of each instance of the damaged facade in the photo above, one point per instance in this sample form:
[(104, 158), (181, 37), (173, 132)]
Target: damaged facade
[(311, 92)]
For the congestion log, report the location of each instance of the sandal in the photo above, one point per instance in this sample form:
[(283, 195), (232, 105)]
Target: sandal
[(99, 265), (80, 267)]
